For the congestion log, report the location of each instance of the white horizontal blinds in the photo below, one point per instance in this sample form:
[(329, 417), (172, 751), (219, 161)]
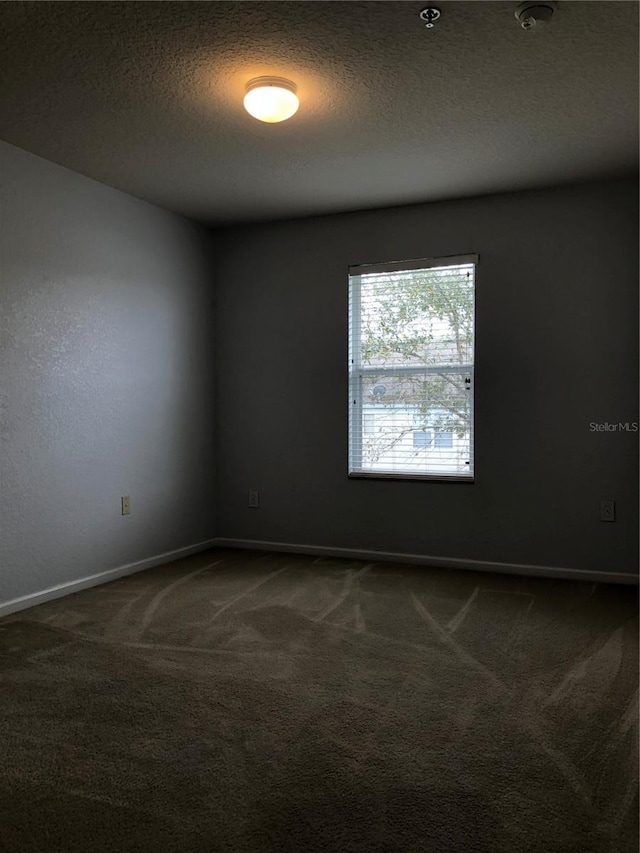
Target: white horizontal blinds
[(411, 368)]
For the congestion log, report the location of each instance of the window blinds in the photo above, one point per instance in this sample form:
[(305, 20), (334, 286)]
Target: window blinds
[(411, 344)]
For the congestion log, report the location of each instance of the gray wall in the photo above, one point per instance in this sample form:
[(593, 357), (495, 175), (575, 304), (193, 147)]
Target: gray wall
[(557, 299), (106, 378)]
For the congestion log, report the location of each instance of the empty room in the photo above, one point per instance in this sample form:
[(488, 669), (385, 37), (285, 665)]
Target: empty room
[(319, 427)]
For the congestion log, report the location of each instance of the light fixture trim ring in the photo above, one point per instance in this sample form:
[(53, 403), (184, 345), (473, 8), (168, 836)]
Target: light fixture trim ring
[(280, 82)]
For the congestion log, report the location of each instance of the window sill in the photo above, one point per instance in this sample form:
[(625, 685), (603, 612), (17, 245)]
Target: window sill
[(433, 478)]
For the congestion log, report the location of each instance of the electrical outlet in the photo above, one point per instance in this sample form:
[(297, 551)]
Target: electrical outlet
[(125, 503), (254, 499), (607, 510)]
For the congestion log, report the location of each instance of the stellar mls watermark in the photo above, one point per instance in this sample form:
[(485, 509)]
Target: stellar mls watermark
[(615, 427)]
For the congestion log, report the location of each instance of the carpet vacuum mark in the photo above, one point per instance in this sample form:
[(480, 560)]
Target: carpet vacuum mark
[(240, 702)]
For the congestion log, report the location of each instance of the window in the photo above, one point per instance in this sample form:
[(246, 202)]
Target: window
[(444, 439), (411, 345), (422, 438)]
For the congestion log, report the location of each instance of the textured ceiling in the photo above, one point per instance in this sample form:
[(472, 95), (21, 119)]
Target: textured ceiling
[(147, 97)]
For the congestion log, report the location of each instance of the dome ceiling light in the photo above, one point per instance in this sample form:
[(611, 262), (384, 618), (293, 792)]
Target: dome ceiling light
[(271, 99)]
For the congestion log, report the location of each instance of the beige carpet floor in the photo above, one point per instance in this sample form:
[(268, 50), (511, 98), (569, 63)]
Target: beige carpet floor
[(238, 701)]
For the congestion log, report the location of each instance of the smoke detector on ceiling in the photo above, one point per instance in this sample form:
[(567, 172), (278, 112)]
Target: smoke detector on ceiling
[(535, 12)]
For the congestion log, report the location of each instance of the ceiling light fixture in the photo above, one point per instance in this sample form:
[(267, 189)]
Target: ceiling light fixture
[(271, 99)]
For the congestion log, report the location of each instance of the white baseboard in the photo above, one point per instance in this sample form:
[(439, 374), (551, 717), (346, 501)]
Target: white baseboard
[(16, 604), (435, 562), (31, 600)]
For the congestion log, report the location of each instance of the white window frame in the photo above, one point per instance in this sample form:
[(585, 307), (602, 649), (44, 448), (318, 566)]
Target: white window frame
[(357, 370)]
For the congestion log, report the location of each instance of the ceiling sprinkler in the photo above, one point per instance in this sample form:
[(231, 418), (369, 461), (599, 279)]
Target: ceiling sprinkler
[(535, 12), (430, 15)]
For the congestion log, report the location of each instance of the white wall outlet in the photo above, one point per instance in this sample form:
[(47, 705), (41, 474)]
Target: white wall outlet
[(125, 504), (254, 499), (607, 510)]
